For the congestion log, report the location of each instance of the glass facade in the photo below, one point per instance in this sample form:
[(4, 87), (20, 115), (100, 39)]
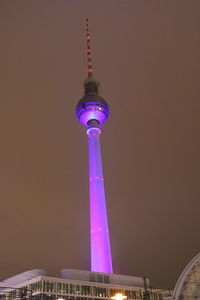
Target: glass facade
[(54, 290)]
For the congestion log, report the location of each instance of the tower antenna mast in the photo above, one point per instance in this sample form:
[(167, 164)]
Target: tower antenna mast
[(89, 51)]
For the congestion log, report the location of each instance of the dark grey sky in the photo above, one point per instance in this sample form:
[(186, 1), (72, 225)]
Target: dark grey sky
[(146, 55)]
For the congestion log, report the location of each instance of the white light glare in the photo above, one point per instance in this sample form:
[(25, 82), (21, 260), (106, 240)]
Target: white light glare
[(119, 296)]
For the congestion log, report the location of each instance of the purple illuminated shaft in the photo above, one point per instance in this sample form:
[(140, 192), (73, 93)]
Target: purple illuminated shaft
[(101, 260)]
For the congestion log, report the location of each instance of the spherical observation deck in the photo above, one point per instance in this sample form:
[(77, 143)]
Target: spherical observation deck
[(92, 106)]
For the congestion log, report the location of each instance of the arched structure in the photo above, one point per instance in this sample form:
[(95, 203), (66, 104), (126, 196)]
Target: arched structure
[(188, 284)]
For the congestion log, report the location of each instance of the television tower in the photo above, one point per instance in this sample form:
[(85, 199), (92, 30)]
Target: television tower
[(92, 112)]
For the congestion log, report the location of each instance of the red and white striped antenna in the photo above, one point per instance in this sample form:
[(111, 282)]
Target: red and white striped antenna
[(89, 51)]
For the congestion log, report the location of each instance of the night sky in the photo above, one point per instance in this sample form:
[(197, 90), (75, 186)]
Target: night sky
[(147, 58)]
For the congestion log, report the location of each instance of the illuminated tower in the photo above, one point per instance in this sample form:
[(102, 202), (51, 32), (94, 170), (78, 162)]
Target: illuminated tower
[(92, 111)]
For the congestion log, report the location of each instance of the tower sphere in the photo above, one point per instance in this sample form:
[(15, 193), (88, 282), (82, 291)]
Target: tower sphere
[(92, 106)]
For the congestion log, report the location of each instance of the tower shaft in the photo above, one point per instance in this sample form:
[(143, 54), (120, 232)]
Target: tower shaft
[(101, 260)]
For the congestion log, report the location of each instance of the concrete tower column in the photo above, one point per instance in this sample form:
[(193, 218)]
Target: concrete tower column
[(101, 260)]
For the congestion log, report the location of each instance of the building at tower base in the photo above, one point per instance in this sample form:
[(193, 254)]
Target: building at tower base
[(75, 285)]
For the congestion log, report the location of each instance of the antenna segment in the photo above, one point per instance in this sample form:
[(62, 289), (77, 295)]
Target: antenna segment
[(89, 51)]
